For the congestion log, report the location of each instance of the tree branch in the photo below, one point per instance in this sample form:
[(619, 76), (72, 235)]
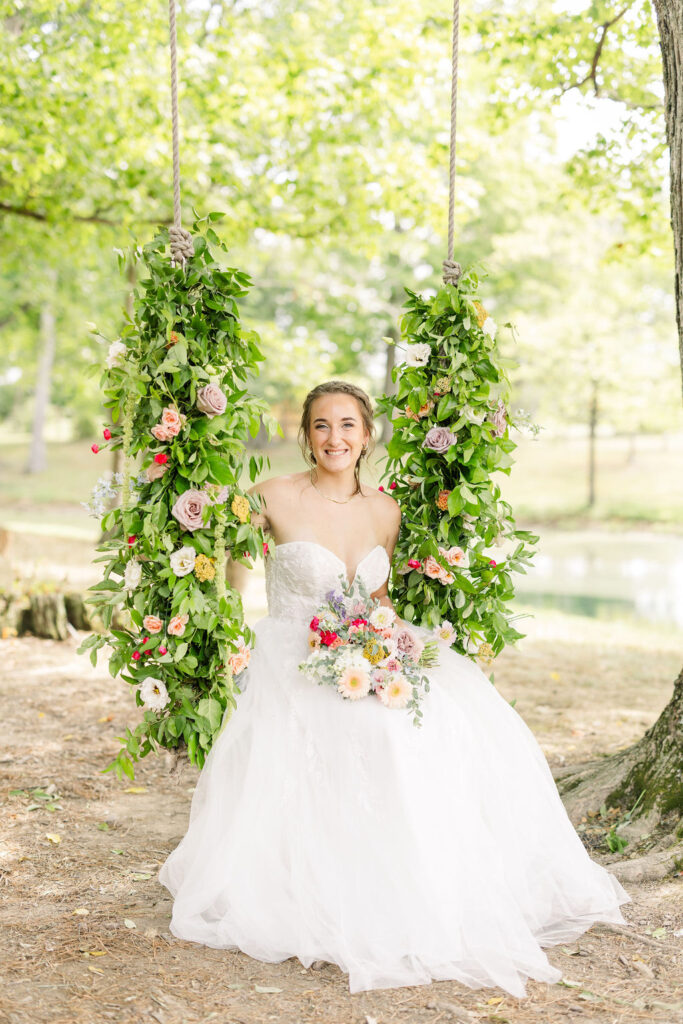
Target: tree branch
[(592, 75)]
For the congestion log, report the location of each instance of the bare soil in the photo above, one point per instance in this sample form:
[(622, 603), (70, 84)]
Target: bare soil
[(85, 922)]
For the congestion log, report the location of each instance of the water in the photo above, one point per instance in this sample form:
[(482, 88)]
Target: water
[(605, 575)]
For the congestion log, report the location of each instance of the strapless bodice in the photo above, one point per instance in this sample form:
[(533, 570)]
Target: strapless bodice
[(300, 572)]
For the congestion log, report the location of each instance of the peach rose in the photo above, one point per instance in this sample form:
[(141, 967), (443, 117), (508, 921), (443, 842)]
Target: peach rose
[(454, 556), (446, 577), (176, 626), (432, 568), (155, 471), (161, 433), (172, 420), (152, 624)]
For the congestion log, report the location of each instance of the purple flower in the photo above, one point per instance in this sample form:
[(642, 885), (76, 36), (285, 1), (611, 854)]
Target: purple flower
[(439, 439)]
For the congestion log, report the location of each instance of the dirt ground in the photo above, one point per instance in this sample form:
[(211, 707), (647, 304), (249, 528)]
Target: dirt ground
[(85, 922)]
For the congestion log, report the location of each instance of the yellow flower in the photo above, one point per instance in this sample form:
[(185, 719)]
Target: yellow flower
[(373, 651), (240, 506), (442, 385), (204, 568), (485, 652), (481, 312)]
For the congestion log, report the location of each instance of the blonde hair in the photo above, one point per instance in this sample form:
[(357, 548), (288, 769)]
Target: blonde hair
[(337, 387)]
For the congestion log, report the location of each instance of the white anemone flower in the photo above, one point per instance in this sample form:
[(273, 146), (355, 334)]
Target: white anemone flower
[(153, 694), (116, 353), (132, 575), (418, 355), (182, 561), (445, 632)]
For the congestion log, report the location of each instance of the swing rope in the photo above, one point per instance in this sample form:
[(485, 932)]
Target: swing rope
[(181, 240), (451, 269)]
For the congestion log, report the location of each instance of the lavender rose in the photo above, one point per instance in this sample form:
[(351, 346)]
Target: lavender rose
[(407, 643), (211, 400), (188, 509), (439, 439)]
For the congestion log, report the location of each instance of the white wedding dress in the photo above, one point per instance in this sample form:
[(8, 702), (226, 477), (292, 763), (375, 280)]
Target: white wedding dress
[(330, 829)]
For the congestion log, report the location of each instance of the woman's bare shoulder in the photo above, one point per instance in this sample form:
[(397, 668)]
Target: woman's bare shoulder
[(386, 509), (278, 485)]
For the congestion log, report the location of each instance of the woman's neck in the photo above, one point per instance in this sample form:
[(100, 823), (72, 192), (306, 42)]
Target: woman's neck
[(338, 486)]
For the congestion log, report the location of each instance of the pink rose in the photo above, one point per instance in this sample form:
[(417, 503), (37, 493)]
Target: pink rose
[(407, 643), (499, 419), (155, 471), (446, 577), (211, 400), (432, 568), (176, 626), (160, 432), (152, 623), (188, 509), (392, 665), (172, 420), (439, 439)]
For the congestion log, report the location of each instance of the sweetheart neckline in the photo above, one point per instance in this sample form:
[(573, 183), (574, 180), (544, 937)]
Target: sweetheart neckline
[(315, 544)]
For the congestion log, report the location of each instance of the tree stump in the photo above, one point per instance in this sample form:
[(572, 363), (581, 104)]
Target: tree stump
[(77, 611), (46, 616)]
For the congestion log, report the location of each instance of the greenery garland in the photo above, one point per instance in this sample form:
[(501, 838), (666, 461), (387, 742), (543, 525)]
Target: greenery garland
[(451, 432), (176, 384)]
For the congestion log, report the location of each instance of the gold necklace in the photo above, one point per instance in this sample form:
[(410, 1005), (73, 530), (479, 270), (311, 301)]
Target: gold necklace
[(338, 501)]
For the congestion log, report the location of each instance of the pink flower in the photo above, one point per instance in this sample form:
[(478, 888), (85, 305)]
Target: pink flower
[(152, 624), (136, 655), (392, 485), (337, 642), (392, 665), (106, 434), (354, 683), (211, 400), (454, 555), (172, 420), (380, 488), (94, 448), (239, 659), (163, 650), (265, 548), (131, 540), (155, 471), (499, 419), (314, 623), (176, 626), (493, 562), (327, 637), (160, 432), (432, 568), (188, 509), (414, 563), (407, 643), (439, 439), (396, 691), (446, 577), (161, 458)]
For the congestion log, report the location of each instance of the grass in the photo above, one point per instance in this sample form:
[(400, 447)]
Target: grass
[(547, 483)]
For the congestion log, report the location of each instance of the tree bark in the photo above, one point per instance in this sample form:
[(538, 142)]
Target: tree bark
[(37, 461)]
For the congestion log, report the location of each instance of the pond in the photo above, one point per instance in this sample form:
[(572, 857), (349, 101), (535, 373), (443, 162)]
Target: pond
[(605, 575)]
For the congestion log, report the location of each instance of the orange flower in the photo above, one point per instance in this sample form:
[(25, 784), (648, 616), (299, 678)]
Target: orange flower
[(442, 500)]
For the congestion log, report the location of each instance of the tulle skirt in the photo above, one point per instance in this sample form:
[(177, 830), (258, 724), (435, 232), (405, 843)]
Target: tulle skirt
[(331, 829)]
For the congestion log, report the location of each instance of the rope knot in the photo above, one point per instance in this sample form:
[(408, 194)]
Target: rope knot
[(452, 272), (182, 247)]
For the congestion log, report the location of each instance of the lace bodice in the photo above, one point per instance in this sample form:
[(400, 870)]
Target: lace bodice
[(300, 572)]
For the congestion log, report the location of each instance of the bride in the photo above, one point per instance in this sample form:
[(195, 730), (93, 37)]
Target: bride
[(332, 829)]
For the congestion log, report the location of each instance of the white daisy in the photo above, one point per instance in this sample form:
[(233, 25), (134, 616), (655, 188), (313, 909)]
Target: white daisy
[(382, 617), (445, 632)]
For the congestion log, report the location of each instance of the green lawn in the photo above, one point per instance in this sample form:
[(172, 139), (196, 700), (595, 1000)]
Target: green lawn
[(547, 483)]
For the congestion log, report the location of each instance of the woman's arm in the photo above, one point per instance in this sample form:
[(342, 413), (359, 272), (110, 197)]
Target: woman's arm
[(392, 524)]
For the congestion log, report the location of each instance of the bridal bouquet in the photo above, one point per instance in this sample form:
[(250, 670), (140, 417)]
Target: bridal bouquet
[(359, 646)]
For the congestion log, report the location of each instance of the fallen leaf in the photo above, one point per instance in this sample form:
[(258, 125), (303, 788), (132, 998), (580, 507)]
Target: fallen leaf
[(97, 952), (53, 837), (69, 736), (237, 984), (95, 970), (128, 923), (266, 988), (81, 911), (117, 850), (136, 789), (659, 933), (102, 826), (138, 877), (106, 718), (496, 999)]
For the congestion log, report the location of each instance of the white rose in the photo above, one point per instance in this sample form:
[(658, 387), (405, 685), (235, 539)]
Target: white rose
[(182, 560), (153, 694), (418, 355), (115, 354), (132, 575), (473, 416)]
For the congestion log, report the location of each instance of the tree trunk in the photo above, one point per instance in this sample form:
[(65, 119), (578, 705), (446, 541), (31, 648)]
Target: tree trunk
[(649, 774), (37, 461), (592, 428)]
